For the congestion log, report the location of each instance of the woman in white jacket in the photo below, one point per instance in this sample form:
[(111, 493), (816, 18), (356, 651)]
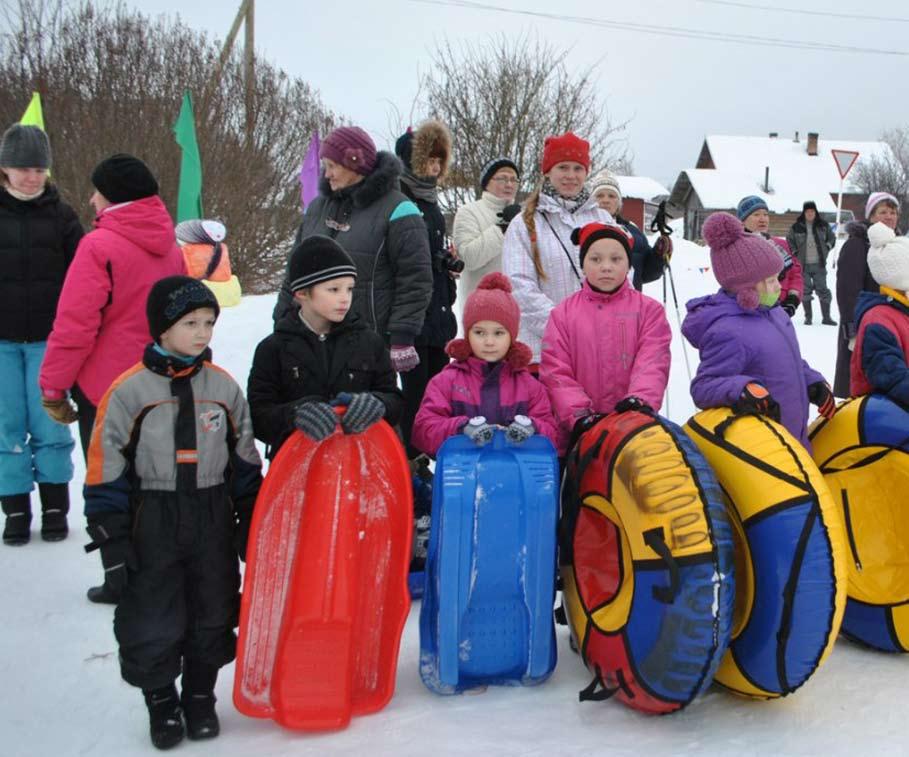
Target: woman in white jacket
[(479, 226), (538, 254)]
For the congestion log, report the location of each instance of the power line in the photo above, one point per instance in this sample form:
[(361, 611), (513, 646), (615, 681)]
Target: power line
[(801, 11), (671, 31)]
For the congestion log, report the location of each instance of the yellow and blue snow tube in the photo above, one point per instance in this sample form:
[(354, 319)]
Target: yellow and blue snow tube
[(863, 453), (790, 553), (646, 559)]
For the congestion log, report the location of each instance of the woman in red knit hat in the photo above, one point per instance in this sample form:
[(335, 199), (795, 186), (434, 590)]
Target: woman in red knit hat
[(538, 254)]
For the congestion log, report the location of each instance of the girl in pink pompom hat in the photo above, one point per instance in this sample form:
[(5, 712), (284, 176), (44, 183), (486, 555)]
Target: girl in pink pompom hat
[(487, 384)]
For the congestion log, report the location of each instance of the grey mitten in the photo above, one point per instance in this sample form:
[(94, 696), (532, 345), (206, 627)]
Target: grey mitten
[(362, 411), (478, 430), (315, 419), (519, 430)]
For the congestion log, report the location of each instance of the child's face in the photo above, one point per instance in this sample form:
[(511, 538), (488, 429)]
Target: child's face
[(606, 264), (769, 287), (489, 340), (328, 300), (189, 336)]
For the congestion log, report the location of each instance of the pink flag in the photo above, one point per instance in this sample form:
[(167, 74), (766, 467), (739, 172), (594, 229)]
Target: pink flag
[(309, 172)]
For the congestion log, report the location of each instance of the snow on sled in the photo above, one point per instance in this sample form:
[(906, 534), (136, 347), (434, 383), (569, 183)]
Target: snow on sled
[(487, 606), (863, 453), (325, 594)]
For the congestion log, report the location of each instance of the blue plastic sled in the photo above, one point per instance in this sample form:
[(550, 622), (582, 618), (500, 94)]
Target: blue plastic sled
[(487, 606)]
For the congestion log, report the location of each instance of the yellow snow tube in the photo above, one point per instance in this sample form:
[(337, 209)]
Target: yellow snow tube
[(790, 553), (228, 292)]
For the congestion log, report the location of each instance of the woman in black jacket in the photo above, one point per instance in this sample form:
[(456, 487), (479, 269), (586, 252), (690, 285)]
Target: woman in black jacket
[(425, 154), (39, 234)]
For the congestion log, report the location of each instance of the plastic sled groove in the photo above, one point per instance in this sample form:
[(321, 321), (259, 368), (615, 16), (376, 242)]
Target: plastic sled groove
[(486, 617), (863, 454), (325, 593), (647, 565)]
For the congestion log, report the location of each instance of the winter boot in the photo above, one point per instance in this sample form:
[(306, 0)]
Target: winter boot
[(54, 507), (198, 699), (825, 312), (18, 511), (165, 719), (806, 304), (103, 595), (422, 506)]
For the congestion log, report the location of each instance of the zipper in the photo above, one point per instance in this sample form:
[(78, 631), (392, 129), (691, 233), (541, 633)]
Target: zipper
[(26, 248), (136, 516), (372, 289), (796, 357), (624, 346)]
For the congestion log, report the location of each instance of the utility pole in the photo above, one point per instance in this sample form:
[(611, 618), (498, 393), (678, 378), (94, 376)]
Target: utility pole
[(245, 16)]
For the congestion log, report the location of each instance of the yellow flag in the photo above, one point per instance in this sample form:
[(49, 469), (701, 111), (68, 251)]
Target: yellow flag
[(33, 115)]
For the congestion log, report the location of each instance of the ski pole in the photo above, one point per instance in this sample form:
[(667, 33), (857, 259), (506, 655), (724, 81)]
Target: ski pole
[(678, 318)]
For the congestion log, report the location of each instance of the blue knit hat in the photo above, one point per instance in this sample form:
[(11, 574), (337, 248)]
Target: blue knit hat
[(748, 205)]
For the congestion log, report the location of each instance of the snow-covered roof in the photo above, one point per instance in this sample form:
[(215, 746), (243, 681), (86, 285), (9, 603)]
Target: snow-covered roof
[(641, 187), (795, 176)]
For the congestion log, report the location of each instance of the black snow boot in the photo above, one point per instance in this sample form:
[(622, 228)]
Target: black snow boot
[(825, 312), (18, 511), (806, 304), (164, 716), (54, 507), (198, 699), (103, 595)]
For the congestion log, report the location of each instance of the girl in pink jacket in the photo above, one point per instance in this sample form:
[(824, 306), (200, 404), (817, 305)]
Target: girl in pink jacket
[(488, 383), (605, 348)]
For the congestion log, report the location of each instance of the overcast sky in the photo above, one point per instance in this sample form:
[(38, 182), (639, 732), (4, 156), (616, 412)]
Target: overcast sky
[(362, 56)]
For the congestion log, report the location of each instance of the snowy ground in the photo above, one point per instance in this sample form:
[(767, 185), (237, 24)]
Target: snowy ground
[(63, 694)]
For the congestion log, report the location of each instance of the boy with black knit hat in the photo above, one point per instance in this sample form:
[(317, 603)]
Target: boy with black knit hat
[(321, 355), (172, 478)]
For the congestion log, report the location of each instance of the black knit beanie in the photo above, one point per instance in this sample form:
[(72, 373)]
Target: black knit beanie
[(123, 178), (172, 298), (318, 259)]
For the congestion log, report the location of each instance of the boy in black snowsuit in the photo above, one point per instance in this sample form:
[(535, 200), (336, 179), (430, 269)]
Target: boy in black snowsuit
[(322, 354), (172, 478)]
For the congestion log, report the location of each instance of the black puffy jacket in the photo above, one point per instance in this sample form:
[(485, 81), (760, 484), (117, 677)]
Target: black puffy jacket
[(382, 230), (38, 239), (294, 364)]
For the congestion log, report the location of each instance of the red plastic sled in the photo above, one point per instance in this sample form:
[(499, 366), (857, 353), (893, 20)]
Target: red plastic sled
[(325, 594)]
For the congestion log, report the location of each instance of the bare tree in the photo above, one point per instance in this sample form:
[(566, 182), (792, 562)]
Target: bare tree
[(889, 173), (503, 97), (112, 79)]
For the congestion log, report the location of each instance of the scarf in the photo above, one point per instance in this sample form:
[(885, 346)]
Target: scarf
[(571, 204), (423, 188), (22, 196)]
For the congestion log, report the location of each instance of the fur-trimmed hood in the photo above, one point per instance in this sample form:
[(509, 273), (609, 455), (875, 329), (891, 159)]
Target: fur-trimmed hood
[(385, 177), (518, 356), (430, 139)]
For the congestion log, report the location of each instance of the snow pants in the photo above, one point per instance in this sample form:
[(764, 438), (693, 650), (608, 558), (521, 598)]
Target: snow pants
[(33, 448), (183, 601), (815, 278)]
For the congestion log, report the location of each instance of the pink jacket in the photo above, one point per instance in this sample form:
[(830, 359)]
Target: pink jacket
[(791, 279), (599, 349), (101, 327), (469, 387)]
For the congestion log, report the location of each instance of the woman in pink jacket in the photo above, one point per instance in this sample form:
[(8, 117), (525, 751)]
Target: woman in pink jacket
[(606, 348), (101, 328), (488, 383)]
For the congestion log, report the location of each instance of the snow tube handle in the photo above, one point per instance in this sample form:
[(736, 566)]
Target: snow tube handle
[(590, 693), (656, 540)]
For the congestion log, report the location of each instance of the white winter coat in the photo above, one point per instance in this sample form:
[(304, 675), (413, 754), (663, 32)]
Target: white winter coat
[(478, 240), (536, 297)]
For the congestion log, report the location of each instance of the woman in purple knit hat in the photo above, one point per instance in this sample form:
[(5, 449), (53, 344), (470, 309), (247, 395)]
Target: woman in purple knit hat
[(750, 357)]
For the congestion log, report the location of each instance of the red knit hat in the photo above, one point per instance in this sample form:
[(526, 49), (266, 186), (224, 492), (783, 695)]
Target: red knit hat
[(565, 148), (591, 232), (492, 301)]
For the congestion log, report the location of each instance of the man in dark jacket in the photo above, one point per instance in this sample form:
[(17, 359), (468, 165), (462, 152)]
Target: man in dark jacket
[(811, 239), (361, 207)]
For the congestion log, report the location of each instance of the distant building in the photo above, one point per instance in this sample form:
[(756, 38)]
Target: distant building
[(785, 172), (641, 197)]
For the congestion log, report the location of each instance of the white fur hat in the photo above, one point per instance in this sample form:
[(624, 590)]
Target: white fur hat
[(888, 257)]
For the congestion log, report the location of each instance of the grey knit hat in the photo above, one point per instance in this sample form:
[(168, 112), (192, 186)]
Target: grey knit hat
[(25, 147)]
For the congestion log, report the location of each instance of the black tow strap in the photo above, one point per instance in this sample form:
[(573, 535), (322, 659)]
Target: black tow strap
[(656, 540)]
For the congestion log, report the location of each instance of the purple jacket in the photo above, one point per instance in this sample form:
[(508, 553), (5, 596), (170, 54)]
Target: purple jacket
[(469, 386), (739, 346)]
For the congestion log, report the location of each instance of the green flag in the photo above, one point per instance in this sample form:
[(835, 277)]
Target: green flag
[(33, 115), (189, 194)]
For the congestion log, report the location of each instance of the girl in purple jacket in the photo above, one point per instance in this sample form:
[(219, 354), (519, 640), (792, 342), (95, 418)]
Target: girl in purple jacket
[(488, 383), (606, 348), (750, 357)]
